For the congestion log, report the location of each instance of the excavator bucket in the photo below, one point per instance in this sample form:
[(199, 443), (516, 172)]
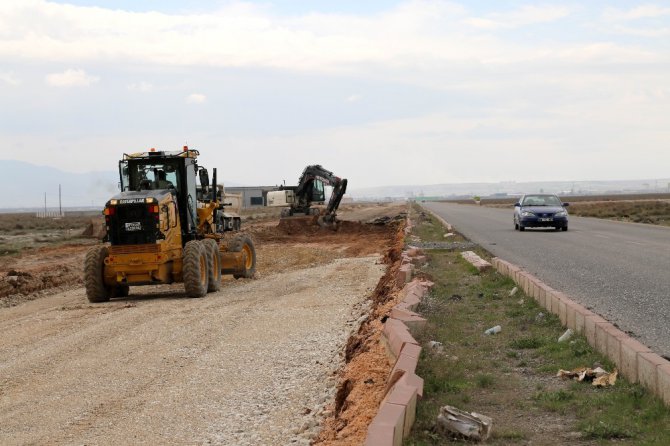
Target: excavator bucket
[(297, 224)]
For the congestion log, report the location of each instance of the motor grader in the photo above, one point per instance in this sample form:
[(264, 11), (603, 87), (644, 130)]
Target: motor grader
[(164, 228)]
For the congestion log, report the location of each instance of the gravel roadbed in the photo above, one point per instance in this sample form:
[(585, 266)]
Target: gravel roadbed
[(253, 364)]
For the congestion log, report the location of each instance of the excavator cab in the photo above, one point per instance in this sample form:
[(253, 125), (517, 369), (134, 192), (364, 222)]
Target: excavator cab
[(301, 199), (318, 191)]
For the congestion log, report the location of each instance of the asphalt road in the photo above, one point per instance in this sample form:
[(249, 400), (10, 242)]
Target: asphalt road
[(618, 270)]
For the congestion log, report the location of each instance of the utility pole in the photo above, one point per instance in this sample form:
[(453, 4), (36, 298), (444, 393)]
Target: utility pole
[(60, 207), (45, 204)]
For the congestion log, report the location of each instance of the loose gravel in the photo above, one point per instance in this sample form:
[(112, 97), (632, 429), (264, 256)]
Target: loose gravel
[(253, 364)]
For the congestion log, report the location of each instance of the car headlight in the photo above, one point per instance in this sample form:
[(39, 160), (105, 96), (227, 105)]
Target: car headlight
[(561, 214), (527, 214)]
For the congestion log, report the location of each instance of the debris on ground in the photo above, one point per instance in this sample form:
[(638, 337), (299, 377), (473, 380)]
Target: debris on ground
[(565, 336), (598, 376), (493, 330), (513, 292), (472, 426), (540, 318), (437, 347)]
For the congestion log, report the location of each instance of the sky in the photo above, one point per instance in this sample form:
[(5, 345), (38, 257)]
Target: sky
[(379, 92)]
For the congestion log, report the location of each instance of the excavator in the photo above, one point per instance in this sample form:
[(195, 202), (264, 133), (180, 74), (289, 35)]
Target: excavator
[(163, 228), (309, 192)]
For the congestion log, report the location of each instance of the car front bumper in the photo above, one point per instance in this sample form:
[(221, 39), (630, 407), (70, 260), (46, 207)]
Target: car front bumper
[(537, 222)]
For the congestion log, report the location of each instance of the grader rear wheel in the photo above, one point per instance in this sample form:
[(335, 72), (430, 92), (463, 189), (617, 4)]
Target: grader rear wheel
[(242, 243), (94, 266), (213, 264), (195, 269)]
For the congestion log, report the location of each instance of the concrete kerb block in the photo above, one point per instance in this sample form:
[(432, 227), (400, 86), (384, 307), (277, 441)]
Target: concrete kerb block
[(411, 301), (501, 266), (390, 417), (420, 260), (415, 381), (411, 350), (602, 334), (476, 261), (405, 363), (522, 280), (413, 251), (379, 434), (614, 339), (630, 348), (590, 323), (404, 395), (541, 294), (396, 334), (563, 310), (404, 274), (571, 311), (664, 383), (412, 320), (647, 370)]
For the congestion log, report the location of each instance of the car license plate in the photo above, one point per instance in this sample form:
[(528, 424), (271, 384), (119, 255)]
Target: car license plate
[(546, 219), (134, 226)]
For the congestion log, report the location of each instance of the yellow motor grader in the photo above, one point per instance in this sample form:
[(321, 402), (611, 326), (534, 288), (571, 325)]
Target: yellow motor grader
[(163, 227)]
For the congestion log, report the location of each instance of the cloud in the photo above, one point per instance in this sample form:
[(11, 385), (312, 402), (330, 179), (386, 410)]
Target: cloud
[(196, 98), (527, 15), (71, 78), (10, 79), (637, 13), (353, 98), (143, 87)]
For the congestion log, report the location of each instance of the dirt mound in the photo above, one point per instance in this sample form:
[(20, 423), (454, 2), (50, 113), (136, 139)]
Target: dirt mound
[(35, 271), (95, 228)]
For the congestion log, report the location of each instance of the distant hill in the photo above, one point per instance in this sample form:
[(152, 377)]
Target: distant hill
[(23, 186)]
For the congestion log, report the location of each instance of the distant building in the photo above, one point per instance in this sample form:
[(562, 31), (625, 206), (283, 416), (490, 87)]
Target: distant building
[(252, 196)]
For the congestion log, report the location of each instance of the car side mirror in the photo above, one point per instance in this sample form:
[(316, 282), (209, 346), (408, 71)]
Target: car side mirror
[(517, 204), (565, 205)]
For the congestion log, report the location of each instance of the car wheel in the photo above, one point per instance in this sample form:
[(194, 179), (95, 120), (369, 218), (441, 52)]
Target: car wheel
[(565, 228), (522, 228)]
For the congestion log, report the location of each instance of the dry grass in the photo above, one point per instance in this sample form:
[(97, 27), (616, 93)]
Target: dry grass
[(655, 212)]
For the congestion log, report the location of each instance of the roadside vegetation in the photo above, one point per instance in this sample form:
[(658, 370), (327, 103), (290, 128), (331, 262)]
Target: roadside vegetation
[(511, 376), (654, 212)]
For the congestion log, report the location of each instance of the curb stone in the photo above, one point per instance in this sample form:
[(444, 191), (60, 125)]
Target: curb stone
[(397, 412)]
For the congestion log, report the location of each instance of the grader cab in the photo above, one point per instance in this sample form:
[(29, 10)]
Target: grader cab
[(163, 228)]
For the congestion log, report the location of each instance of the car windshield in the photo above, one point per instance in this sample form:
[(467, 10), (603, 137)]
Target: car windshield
[(541, 200)]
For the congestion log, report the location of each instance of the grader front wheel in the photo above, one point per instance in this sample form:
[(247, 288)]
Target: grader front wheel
[(195, 269), (243, 243), (94, 266), (213, 264)]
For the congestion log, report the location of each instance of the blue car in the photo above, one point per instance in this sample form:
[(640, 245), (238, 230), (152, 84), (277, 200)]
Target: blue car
[(540, 211)]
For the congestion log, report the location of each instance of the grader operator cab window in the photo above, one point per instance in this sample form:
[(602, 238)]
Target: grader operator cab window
[(147, 175)]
